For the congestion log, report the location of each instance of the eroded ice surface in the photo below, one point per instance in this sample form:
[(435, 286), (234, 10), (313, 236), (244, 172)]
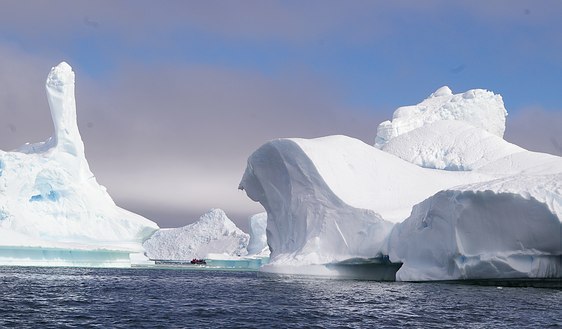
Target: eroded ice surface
[(49, 198)]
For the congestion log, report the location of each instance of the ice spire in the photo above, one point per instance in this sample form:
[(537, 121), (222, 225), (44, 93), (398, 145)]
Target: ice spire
[(60, 93)]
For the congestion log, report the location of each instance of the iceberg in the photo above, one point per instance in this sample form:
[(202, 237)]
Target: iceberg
[(52, 210), (213, 236), (440, 193), (335, 198)]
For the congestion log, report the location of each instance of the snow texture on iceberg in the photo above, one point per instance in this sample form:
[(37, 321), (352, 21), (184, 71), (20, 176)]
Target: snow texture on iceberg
[(480, 108), (214, 236), (494, 212), (450, 145), (50, 199)]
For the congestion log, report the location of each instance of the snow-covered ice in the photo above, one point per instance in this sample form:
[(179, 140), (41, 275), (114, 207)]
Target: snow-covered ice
[(444, 174), (450, 145), (480, 108), (49, 198), (335, 198), (505, 228), (213, 236)]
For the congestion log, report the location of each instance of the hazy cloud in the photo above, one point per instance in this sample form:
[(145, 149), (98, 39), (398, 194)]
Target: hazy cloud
[(536, 129), (24, 112), (184, 134)]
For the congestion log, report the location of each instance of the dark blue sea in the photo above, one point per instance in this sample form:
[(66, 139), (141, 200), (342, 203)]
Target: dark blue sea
[(157, 298)]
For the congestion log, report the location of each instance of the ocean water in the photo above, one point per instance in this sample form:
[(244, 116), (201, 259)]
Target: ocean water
[(157, 298)]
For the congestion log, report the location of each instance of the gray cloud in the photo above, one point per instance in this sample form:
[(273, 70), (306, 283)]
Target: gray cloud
[(189, 131), (293, 21)]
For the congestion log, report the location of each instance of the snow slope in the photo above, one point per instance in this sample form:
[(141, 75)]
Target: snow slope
[(479, 108), (444, 167), (450, 145), (214, 235), (49, 198)]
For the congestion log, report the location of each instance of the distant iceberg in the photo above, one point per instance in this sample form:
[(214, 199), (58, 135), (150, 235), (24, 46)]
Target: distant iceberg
[(52, 210), (441, 192), (214, 235), (213, 238)]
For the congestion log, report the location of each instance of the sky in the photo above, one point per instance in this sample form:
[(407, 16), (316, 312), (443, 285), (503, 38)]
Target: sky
[(173, 96)]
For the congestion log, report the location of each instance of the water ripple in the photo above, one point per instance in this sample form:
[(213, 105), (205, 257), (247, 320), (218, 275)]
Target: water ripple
[(147, 298)]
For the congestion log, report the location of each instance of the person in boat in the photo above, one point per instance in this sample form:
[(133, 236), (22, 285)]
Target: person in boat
[(198, 261)]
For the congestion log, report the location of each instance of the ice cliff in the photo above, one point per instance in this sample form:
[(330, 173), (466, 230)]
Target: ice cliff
[(49, 198), (441, 192), (505, 228), (214, 235)]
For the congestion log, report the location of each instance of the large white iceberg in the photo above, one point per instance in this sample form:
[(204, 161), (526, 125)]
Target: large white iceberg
[(214, 235), (52, 210), (335, 199)]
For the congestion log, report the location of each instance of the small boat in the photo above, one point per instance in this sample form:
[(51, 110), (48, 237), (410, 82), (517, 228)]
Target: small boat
[(196, 261)]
